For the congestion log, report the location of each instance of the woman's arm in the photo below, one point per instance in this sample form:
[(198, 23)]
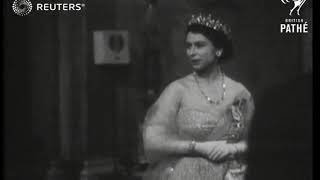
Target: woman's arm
[(160, 133), (222, 149), (247, 111)]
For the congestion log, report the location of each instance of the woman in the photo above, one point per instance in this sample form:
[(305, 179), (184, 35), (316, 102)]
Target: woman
[(197, 127)]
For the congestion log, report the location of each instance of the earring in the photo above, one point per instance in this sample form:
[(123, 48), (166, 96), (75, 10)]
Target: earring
[(218, 53)]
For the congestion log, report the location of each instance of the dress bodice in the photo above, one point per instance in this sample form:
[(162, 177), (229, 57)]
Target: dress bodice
[(197, 124)]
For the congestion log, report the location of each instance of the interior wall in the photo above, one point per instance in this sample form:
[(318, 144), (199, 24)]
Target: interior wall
[(115, 92), (30, 95)]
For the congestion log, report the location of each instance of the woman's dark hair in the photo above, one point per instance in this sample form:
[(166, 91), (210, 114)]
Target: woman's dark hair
[(217, 38)]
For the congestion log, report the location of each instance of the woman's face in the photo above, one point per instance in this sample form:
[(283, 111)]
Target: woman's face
[(200, 51)]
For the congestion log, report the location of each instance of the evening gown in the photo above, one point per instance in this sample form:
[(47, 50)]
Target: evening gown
[(228, 121)]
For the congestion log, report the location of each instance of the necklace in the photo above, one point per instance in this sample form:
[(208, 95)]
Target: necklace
[(210, 100)]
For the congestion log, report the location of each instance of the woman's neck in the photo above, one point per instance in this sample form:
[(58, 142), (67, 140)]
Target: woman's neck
[(210, 75)]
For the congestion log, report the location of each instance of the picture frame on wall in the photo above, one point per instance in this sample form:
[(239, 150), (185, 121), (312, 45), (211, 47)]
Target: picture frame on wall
[(111, 47)]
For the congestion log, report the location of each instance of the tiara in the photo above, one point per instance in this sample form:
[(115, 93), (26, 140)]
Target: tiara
[(210, 22)]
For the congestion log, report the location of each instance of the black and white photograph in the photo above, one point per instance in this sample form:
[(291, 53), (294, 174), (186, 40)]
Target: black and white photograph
[(158, 89)]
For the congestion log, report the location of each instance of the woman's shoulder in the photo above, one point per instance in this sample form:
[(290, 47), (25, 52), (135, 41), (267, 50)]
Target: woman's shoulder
[(237, 87), (181, 83), (174, 90), (175, 86), (178, 86)]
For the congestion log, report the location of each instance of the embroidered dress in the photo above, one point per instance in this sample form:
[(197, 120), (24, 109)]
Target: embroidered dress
[(228, 121)]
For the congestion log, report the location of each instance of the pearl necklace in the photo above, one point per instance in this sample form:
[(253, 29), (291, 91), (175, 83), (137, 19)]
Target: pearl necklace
[(209, 100)]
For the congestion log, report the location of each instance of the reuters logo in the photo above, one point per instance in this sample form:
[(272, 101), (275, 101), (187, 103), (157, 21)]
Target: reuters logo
[(22, 7)]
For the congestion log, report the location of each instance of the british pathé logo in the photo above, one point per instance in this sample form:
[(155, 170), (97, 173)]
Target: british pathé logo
[(294, 25), (297, 4)]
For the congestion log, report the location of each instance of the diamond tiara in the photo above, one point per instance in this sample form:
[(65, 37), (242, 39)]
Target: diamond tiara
[(210, 22)]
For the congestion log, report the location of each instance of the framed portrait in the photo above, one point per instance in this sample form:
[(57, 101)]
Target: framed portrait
[(111, 47)]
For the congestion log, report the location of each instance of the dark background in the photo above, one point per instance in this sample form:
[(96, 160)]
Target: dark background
[(59, 106)]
